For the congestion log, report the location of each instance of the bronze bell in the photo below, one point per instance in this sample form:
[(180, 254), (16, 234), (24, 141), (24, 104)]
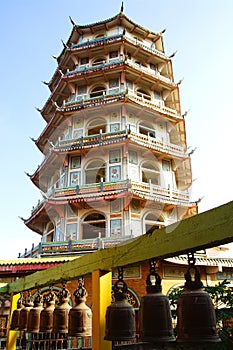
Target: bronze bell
[(196, 321), (80, 316), (61, 312), (34, 314), (155, 314), (120, 315), (46, 315), (23, 317), (15, 315)]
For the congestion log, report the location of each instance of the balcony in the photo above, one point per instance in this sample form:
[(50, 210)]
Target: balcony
[(89, 69), (117, 95), (72, 247), (155, 144), (96, 42), (111, 190), (92, 140), (108, 39), (150, 71)]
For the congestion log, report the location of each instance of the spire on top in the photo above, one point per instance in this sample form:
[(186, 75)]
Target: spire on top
[(122, 6)]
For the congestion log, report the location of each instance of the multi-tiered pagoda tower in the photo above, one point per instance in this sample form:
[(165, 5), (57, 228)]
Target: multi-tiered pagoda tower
[(115, 156)]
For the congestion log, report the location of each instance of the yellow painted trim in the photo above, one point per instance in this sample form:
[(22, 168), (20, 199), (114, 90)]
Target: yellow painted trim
[(12, 335), (101, 298)]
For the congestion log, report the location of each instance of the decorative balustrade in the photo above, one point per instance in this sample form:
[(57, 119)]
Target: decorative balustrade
[(118, 95), (155, 105), (145, 46), (91, 140), (88, 68), (108, 39), (96, 42), (149, 190), (153, 143), (150, 71), (74, 247)]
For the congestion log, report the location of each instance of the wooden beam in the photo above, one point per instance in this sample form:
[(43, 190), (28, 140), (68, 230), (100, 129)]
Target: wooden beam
[(205, 230)]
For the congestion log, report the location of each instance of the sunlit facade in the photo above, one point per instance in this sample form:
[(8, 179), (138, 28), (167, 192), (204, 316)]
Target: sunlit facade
[(115, 163)]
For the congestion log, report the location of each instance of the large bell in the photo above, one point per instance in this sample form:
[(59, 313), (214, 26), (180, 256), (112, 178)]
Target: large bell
[(46, 315), (80, 316), (15, 315), (61, 312), (120, 316), (196, 321), (23, 317), (34, 314), (155, 313)]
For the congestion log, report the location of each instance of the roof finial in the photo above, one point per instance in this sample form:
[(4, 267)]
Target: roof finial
[(72, 21), (163, 31), (64, 44), (173, 54), (122, 6)]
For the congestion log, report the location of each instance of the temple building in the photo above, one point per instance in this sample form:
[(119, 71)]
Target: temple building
[(115, 163)]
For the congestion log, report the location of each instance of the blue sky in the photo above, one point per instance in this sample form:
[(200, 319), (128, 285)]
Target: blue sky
[(31, 32)]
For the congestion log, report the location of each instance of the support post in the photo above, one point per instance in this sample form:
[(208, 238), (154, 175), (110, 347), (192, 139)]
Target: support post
[(101, 298), (12, 335)]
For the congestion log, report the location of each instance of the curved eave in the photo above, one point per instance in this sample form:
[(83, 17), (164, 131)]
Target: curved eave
[(54, 122), (51, 163), (38, 218)]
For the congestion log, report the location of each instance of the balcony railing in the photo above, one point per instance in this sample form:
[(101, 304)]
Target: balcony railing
[(96, 139), (112, 96), (88, 68), (96, 42), (72, 247), (145, 190), (104, 40), (151, 142)]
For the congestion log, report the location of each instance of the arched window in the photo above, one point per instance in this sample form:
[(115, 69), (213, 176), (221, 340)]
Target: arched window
[(97, 61), (98, 91), (93, 226), (153, 222), (94, 127), (144, 94), (100, 35), (146, 129), (150, 172), (95, 171)]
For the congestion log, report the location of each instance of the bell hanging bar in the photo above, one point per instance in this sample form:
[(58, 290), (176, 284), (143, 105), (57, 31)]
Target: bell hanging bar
[(196, 320), (80, 316), (120, 315), (155, 314)]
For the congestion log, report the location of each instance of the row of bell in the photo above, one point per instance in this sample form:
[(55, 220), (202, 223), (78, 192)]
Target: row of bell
[(196, 315), (75, 321)]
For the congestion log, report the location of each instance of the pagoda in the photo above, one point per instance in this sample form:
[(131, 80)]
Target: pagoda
[(116, 164)]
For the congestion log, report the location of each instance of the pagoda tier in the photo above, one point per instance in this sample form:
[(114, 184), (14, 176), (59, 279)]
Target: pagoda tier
[(116, 162)]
